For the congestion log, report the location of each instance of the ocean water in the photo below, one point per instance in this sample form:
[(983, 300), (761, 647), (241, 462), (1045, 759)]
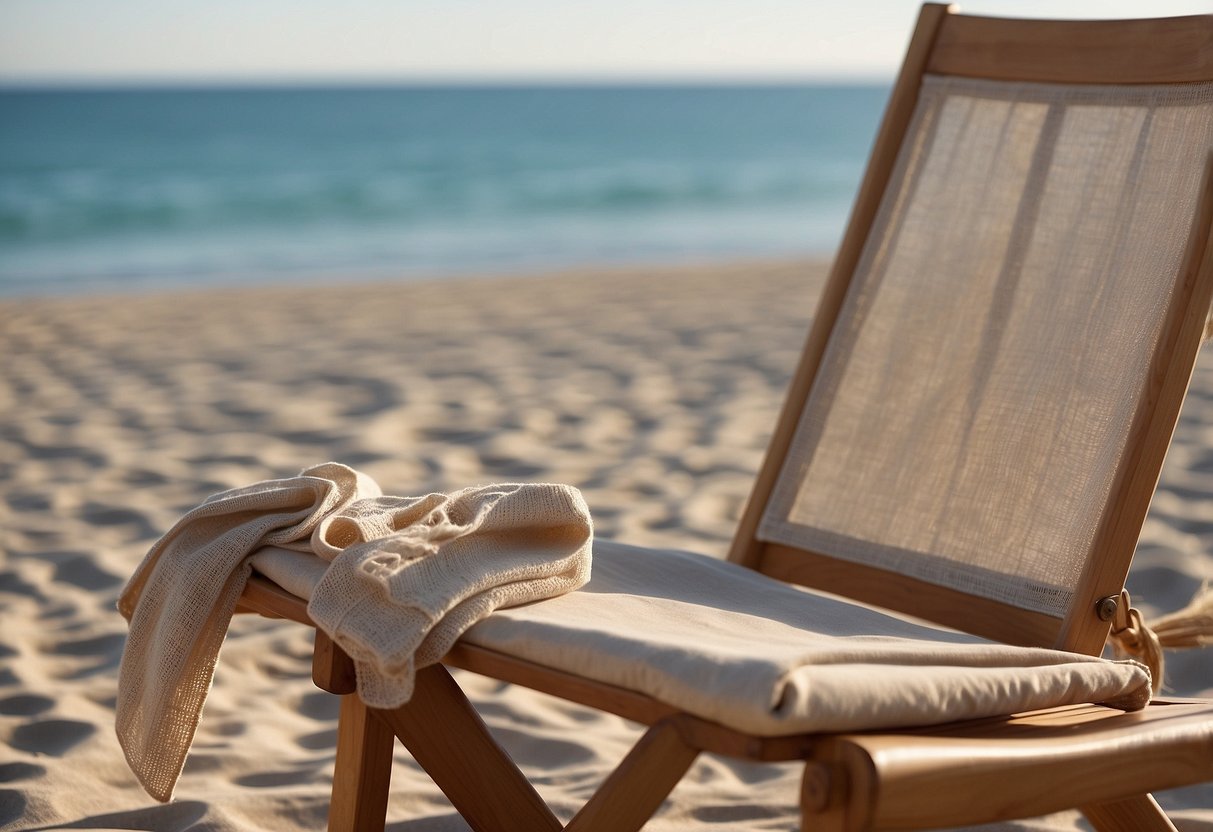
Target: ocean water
[(133, 189)]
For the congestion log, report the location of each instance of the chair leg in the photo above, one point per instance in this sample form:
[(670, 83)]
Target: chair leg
[(634, 790), (1134, 814), (839, 790), (449, 740), (363, 770)]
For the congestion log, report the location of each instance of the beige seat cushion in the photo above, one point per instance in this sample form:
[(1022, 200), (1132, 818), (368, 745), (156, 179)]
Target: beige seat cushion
[(733, 646)]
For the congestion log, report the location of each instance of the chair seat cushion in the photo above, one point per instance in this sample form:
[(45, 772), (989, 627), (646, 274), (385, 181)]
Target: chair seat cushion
[(730, 645)]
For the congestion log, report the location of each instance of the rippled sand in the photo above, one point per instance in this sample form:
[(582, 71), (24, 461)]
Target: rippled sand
[(654, 391)]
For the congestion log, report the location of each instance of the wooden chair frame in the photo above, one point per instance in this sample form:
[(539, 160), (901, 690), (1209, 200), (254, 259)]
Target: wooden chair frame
[(1100, 760), (1068, 52)]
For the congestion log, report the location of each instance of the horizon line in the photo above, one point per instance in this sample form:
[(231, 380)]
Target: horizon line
[(52, 83)]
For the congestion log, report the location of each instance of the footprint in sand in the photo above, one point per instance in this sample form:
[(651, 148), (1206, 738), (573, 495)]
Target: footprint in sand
[(318, 741), (12, 805), (25, 705), (54, 737), (108, 645), (320, 706), (12, 772), (274, 779), (82, 571), (530, 750)]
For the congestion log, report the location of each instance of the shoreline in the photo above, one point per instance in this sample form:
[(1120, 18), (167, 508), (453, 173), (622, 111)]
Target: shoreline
[(369, 279)]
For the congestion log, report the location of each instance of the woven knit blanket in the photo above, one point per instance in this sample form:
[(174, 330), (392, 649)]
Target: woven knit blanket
[(407, 576)]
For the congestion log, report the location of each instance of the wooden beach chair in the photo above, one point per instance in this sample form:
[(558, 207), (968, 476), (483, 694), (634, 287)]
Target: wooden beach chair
[(972, 437)]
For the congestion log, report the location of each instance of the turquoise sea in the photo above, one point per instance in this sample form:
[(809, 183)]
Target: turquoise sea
[(112, 190)]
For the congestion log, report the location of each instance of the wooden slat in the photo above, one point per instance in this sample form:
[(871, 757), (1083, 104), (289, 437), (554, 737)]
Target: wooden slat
[(716, 738), (332, 669), (451, 742), (264, 597), (747, 549), (1026, 765), (362, 772), (637, 787), (1134, 814), (1158, 51), (1149, 437), (949, 607), (840, 790)]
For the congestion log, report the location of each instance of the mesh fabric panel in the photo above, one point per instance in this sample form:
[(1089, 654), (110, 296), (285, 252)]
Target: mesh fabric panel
[(975, 397)]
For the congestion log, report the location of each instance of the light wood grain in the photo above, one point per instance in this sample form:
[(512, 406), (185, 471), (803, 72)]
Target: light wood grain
[(362, 771), (942, 605), (1149, 437), (1026, 765), (264, 597), (637, 787), (451, 742), (1159, 51), (332, 669), (1134, 814)]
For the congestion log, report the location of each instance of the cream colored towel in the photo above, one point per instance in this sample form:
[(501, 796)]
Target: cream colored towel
[(408, 576), (181, 598)]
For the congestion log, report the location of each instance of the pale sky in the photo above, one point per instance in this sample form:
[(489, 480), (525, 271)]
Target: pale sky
[(430, 40)]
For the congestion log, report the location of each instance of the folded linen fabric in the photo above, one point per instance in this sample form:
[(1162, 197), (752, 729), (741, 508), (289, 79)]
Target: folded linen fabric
[(181, 598), (733, 646), (409, 575)]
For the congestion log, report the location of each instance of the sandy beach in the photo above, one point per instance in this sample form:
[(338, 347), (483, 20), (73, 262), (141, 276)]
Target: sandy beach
[(652, 390)]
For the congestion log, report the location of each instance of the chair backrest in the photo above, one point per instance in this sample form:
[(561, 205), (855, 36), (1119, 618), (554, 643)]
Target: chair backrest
[(997, 364)]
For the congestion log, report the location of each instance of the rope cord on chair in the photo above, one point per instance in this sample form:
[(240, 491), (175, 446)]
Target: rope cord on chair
[(1190, 627)]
